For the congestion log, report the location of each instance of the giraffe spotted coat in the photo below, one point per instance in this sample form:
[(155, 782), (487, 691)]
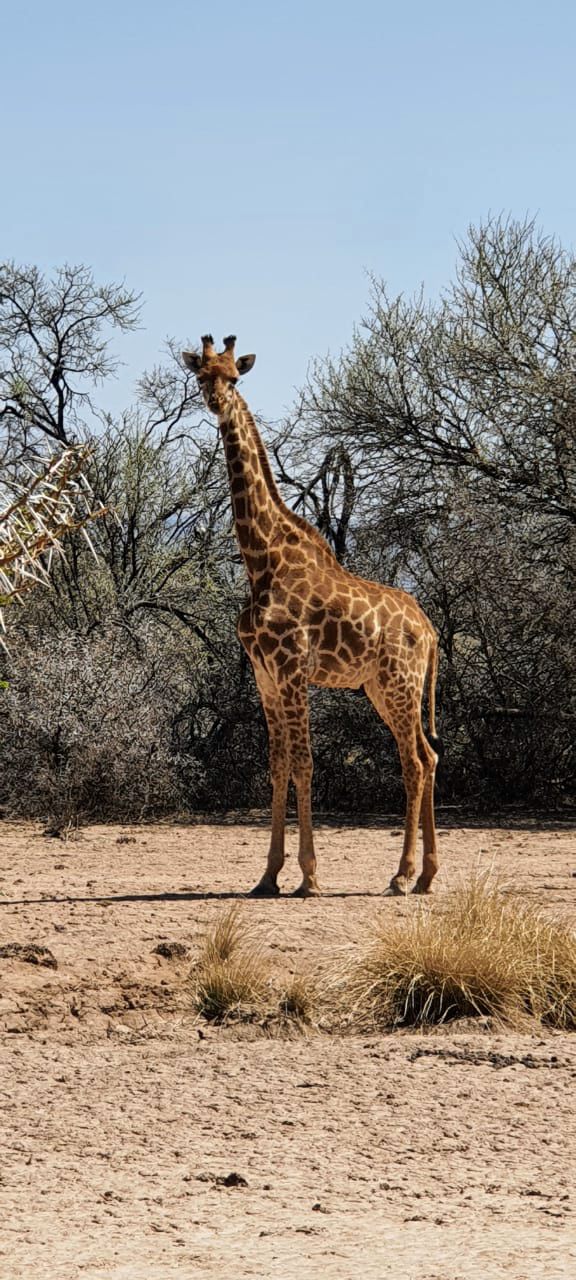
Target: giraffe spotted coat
[(310, 621)]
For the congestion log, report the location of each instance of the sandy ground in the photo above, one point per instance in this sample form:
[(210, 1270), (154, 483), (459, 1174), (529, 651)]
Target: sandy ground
[(438, 1157)]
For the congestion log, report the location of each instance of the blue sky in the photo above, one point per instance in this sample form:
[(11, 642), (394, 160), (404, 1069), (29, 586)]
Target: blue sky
[(245, 165)]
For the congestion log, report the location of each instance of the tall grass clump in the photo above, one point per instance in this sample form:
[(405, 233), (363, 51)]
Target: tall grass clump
[(485, 953), (298, 998), (231, 976)]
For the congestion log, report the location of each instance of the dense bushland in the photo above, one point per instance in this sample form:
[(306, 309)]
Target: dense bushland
[(436, 453)]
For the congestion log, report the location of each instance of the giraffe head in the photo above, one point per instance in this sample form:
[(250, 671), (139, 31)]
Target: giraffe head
[(215, 370)]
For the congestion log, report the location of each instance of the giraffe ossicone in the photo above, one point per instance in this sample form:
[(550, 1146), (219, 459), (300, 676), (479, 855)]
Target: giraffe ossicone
[(310, 621)]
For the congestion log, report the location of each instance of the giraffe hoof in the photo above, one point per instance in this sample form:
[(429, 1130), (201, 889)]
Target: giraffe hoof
[(265, 889), (306, 891), (398, 888), (422, 888)]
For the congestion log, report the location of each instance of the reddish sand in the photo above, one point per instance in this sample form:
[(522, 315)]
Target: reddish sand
[(422, 1157)]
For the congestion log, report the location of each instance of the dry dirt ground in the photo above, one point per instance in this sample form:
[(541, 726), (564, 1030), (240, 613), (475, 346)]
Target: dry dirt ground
[(427, 1157)]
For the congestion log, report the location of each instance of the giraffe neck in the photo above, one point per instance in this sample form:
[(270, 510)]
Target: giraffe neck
[(256, 501)]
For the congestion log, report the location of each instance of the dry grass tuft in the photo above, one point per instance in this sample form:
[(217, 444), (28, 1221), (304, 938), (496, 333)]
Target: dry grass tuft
[(231, 976), (484, 954), (298, 999)]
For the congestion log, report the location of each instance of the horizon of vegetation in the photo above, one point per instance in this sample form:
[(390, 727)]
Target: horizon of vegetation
[(436, 452)]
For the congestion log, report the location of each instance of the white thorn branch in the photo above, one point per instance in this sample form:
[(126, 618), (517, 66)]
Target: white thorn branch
[(50, 499)]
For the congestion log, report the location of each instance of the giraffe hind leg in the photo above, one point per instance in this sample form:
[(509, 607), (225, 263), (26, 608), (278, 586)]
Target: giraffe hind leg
[(413, 775), (429, 758), (402, 716)]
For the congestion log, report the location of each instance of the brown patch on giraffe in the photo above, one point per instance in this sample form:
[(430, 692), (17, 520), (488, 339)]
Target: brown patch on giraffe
[(265, 523), (268, 643), (259, 562), (277, 625), (287, 666), (329, 634), (352, 639)]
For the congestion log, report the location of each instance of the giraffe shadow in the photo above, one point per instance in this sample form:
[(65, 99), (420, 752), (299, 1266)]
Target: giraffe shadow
[(110, 899)]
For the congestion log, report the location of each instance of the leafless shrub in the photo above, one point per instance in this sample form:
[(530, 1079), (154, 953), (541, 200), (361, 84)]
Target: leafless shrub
[(86, 728)]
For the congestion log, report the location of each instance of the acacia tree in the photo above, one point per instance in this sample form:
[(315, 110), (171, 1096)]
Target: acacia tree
[(482, 382), (459, 419), (54, 348)]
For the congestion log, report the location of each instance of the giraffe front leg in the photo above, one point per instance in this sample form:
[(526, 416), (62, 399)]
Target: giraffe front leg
[(301, 766), (309, 888), (267, 887)]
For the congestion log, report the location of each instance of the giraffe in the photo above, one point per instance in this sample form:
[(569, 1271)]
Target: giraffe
[(310, 621)]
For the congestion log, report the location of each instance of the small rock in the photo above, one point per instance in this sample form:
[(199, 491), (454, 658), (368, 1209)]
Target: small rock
[(171, 950), (231, 1180)]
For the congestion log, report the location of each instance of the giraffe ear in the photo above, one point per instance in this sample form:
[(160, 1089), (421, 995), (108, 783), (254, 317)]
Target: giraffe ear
[(244, 364), (192, 360)]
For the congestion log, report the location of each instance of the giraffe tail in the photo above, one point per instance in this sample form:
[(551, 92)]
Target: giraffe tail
[(431, 677)]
